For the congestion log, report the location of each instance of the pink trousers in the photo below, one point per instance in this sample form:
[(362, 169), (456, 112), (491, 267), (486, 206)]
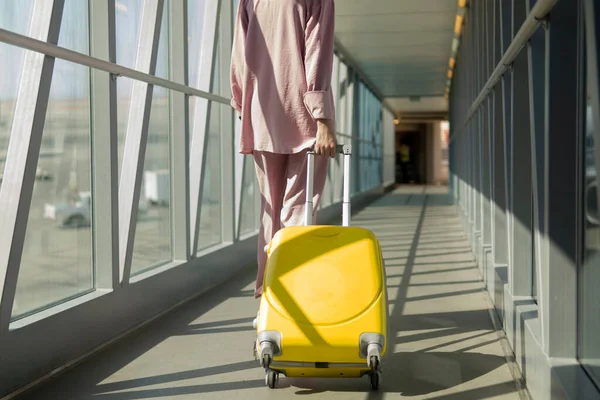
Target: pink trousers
[(282, 185)]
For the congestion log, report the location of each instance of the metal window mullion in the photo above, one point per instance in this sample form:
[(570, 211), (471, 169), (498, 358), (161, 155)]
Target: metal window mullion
[(464, 150), (240, 168), (486, 127), (520, 276), (474, 133), (179, 131), (536, 54), (563, 99), (463, 177), (352, 112), (136, 136), (478, 20), (336, 186), (487, 169), (201, 114), (499, 210), (467, 131), (23, 151), (257, 204), (228, 202), (105, 170), (474, 121), (592, 27), (477, 173), (333, 171), (470, 167), (505, 31)]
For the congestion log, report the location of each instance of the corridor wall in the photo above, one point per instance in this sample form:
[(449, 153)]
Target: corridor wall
[(524, 144)]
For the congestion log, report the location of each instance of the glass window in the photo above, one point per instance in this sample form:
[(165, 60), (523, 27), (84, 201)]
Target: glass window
[(210, 209), (152, 245), (195, 15), (249, 208), (128, 19), (74, 27), (57, 256), (534, 277), (128, 24), (15, 17), (236, 4), (589, 295), (342, 123), (335, 81)]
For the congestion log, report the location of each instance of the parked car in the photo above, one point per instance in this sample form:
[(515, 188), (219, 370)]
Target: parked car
[(74, 214), (40, 175), (77, 214)]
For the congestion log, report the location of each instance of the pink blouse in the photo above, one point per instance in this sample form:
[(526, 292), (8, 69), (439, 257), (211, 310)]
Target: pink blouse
[(281, 65)]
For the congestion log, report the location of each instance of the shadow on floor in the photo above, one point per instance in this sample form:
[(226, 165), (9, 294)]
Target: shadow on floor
[(410, 374), (87, 376)]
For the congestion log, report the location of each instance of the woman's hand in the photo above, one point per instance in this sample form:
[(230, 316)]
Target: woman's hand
[(326, 141)]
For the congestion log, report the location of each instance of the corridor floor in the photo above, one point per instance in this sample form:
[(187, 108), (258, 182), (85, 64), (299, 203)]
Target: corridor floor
[(445, 346)]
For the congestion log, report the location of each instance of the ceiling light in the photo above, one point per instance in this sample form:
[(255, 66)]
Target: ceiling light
[(458, 24)]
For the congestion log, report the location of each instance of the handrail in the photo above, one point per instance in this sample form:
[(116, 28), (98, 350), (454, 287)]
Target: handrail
[(536, 16), (62, 53)]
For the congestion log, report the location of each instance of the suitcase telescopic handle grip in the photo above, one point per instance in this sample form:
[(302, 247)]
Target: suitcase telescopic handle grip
[(339, 149), (346, 150)]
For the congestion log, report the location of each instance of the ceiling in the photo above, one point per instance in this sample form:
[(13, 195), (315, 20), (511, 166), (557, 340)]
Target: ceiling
[(402, 46)]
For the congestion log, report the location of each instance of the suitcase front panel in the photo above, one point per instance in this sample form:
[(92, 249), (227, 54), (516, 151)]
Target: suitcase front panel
[(323, 275), (324, 288)]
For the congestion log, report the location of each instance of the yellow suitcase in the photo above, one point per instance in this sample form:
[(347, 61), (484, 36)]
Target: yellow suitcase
[(324, 308)]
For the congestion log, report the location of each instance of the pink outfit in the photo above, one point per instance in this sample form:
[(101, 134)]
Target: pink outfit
[(281, 66), (282, 184)]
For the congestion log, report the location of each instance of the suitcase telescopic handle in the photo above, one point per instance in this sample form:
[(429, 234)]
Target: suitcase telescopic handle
[(346, 150)]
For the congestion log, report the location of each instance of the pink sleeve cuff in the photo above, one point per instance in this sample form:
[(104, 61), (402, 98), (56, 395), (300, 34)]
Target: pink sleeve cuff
[(318, 103), (236, 105)]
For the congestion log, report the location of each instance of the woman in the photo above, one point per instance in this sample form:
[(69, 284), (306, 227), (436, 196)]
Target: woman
[(282, 60)]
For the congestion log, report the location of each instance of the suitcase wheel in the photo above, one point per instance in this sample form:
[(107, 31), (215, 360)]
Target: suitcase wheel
[(375, 380), (271, 378), (266, 361), (375, 374)]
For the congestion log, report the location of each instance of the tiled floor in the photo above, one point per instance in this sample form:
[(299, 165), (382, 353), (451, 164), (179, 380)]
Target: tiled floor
[(445, 346)]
